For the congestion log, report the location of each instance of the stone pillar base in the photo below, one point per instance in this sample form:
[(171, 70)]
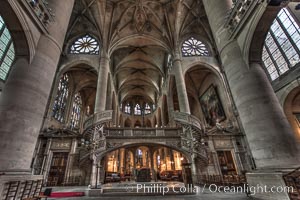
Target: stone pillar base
[(267, 185), (95, 192)]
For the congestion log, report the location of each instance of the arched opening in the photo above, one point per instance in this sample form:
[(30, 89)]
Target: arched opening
[(127, 123), (158, 162), (292, 110), (207, 99), (148, 123), (137, 124)]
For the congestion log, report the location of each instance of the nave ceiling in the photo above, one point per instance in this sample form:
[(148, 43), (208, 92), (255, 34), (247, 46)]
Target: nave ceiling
[(139, 36)]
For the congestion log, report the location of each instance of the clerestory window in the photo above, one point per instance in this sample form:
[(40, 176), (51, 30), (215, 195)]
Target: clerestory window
[(85, 45), (61, 99), (194, 47), (7, 50), (76, 111), (281, 49)]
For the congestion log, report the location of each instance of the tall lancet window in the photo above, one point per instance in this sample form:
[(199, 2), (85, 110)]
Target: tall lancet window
[(127, 109), (76, 111), (194, 47), (147, 109), (281, 50), (137, 109), (61, 99), (85, 45), (7, 50)]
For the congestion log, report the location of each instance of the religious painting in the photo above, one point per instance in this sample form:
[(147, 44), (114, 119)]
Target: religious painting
[(211, 106)]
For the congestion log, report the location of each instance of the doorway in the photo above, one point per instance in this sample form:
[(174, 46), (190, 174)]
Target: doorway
[(57, 169)]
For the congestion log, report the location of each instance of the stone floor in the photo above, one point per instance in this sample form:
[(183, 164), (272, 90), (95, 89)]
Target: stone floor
[(204, 194)]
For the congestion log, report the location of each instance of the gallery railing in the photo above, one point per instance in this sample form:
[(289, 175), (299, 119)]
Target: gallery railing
[(40, 8), (142, 132), (187, 119), (96, 119), (240, 12)]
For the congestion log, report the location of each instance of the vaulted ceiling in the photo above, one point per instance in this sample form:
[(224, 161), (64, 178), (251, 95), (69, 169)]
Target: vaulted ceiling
[(138, 35)]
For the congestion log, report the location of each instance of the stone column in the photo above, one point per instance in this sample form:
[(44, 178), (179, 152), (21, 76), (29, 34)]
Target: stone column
[(26, 92), (180, 85), (154, 177), (266, 127), (100, 102)]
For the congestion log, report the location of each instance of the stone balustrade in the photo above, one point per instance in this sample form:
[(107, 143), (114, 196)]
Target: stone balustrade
[(97, 119), (142, 132), (187, 119), (241, 10), (40, 8)]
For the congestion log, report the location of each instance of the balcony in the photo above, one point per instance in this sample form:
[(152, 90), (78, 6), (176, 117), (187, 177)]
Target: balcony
[(142, 132), (96, 119), (240, 12), (40, 11), (187, 119)]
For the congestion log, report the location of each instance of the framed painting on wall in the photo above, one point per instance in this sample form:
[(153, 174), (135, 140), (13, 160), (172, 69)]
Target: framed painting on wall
[(211, 106)]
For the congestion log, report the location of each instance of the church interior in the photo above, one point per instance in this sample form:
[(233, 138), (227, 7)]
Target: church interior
[(99, 92)]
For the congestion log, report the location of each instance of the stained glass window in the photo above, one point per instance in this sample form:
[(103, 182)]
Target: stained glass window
[(137, 109), (127, 109), (76, 111), (147, 109), (281, 49), (194, 47), (7, 50), (85, 45), (60, 103)]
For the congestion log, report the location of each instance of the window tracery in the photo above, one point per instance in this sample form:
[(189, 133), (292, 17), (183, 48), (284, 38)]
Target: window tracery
[(7, 50), (85, 45), (281, 49), (137, 109), (127, 109), (76, 111), (60, 102), (147, 109), (194, 47)]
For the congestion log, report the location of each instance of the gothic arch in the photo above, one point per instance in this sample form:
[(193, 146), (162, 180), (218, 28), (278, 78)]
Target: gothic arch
[(127, 123), (24, 41), (291, 108)]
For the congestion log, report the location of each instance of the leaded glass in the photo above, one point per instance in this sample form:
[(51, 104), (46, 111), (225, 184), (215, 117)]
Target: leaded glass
[(85, 45), (76, 111), (147, 109), (194, 47), (137, 109), (281, 49), (127, 109), (60, 102), (7, 50)]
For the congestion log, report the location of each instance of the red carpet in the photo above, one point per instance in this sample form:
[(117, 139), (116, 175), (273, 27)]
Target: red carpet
[(66, 194)]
